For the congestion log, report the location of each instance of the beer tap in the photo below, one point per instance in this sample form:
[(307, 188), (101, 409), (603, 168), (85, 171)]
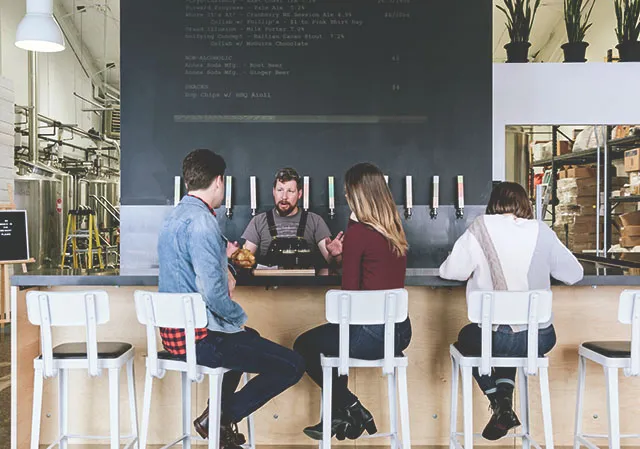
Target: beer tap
[(460, 206), (305, 195), (332, 203), (254, 199), (409, 198), (227, 203), (435, 202)]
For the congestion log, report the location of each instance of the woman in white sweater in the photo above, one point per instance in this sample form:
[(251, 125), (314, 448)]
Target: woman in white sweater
[(507, 249)]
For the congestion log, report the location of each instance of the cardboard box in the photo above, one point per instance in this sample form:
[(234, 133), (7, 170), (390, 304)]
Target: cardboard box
[(630, 219), (632, 160), (630, 241), (631, 230), (563, 147), (582, 172)]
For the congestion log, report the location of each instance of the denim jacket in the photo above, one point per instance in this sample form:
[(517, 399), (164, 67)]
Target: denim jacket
[(192, 255)]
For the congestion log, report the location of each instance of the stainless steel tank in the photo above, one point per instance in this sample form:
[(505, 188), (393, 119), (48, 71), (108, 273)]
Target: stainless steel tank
[(46, 203)]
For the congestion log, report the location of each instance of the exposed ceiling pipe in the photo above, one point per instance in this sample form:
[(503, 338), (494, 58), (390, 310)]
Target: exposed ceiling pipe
[(33, 106), (98, 105)]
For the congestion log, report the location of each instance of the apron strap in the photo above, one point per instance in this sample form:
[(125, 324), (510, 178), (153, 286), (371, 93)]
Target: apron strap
[(272, 224), (302, 225)]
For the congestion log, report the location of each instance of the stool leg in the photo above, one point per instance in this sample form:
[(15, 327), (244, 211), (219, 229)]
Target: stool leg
[(327, 384), (186, 411), (251, 431), (545, 399), (453, 413), (133, 410), (404, 407), (467, 401), (215, 410), (393, 409), (63, 407), (613, 409), (37, 408), (114, 407), (146, 409), (582, 373), (523, 397)]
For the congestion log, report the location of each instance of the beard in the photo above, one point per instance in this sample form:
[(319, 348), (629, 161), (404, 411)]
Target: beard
[(285, 209)]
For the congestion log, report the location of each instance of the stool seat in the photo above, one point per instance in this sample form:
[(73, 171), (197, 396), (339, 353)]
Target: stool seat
[(611, 349), (478, 354), (106, 350), (166, 355)]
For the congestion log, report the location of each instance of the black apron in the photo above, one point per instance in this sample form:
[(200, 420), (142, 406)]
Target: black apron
[(288, 252)]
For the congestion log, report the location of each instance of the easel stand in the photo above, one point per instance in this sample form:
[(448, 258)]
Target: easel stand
[(5, 287)]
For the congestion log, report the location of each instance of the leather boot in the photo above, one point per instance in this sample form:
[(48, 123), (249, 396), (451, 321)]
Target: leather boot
[(340, 426), (503, 418), (228, 431), (362, 420)]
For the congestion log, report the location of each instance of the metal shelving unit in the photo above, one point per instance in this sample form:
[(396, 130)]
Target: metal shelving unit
[(610, 151)]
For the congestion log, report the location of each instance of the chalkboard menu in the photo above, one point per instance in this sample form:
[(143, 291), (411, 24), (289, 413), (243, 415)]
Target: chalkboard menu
[(314, 84), (14, 241)]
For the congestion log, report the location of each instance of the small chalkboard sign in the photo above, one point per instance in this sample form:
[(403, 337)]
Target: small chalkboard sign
[(14, 239)]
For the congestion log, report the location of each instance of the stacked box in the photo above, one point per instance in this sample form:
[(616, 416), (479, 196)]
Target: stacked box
[(576, 213), (7, 138)]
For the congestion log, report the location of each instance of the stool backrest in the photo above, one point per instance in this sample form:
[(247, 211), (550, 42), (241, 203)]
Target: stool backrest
[(629, 313), (73, 308), (175, 310), (489, 308), (364, 307)]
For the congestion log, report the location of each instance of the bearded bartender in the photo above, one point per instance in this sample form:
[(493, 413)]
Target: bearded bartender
[(286, 228)]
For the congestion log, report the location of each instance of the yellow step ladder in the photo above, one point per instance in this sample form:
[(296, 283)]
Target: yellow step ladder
[(75, 237)]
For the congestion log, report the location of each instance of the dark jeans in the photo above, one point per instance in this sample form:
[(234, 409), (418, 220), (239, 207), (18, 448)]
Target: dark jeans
[(278, 368), (505, 343), (365, 342)]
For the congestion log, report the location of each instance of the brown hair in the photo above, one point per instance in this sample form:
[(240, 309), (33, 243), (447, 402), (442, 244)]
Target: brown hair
[(201, 167), (510, 198), (370, 200), (288, 174)]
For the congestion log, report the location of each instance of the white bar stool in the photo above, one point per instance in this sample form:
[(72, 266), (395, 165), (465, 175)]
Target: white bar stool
[(87, 309), (386, 307), (181, 311), (612, 356), (508, 308)]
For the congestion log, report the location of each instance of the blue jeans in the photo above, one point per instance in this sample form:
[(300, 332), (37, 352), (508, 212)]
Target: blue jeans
[(505, 343), (365, 342), (278, 368)]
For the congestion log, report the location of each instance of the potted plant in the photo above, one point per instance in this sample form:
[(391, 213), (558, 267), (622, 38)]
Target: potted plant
[(520, 17), (576, 20), (628, 29)]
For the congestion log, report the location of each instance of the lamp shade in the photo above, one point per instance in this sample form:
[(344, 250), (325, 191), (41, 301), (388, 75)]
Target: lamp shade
[(38, 30)]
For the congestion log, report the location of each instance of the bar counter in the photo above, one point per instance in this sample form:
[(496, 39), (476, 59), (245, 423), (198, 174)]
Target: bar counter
[(281, 308)]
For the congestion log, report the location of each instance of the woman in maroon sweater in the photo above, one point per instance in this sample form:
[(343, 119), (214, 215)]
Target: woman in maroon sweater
[(373, 258)]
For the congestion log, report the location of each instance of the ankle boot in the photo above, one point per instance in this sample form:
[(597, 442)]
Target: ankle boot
[(228, 431), (503, 418), (362, 420), (341, 423)]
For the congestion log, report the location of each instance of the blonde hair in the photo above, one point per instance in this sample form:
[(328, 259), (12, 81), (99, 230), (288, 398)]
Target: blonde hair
[(370, 200)]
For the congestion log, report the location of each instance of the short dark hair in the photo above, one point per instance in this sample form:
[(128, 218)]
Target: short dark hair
[(201, 167), (288, 174), (510, 198)]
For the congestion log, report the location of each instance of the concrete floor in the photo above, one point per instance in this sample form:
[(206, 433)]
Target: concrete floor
[(5, 389)]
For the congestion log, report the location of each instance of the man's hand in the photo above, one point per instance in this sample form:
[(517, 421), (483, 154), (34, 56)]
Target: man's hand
[(334, 247), (232, 247), (232, 282)]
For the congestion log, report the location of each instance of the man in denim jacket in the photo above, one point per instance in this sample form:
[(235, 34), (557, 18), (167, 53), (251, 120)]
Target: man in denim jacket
[(193, 258)]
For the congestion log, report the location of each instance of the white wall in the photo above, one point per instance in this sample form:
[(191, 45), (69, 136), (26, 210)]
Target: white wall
[(561, 94)]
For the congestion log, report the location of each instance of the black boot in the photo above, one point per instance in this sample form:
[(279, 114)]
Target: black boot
[(362, 420), (503, 418), (229, 435), (341, 424)]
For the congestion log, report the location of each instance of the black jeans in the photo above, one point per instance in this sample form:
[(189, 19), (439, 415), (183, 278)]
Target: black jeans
[(278, 368), (365, 342), (505, 343)]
